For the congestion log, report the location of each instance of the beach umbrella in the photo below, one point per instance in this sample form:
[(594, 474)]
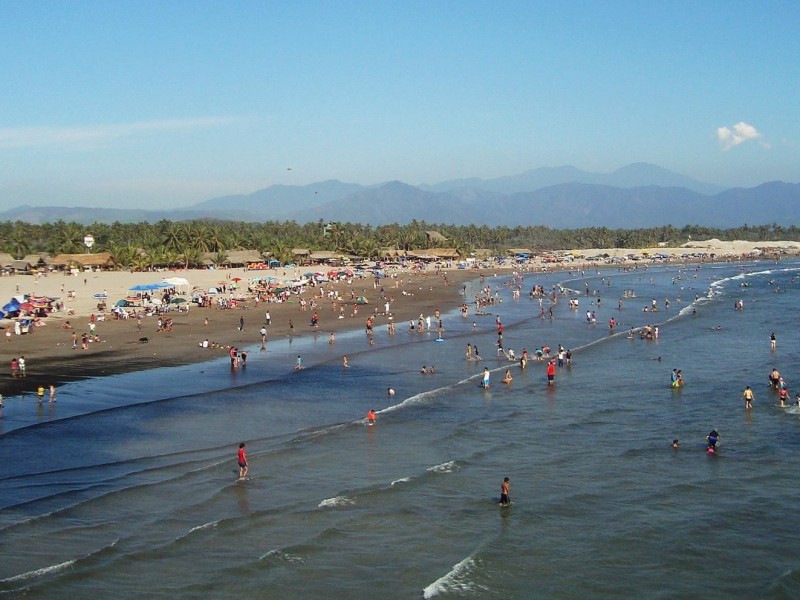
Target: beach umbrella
[(177, 300), (12, 306), (27, 306), (122, 303), (236, 279)]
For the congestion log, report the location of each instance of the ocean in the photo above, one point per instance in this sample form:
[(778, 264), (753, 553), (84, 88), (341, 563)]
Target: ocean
[(126, 487)]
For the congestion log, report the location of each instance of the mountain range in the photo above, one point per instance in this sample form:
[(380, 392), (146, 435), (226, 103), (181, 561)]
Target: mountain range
[(638, 195)]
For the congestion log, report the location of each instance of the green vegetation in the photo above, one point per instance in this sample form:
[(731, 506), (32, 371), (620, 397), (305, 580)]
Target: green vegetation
[(166, 243)]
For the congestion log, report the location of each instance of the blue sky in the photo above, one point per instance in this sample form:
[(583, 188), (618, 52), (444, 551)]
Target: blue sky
[(154, 104)]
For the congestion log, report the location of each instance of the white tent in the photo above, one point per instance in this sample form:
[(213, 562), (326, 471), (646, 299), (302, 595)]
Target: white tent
[(178, 283)]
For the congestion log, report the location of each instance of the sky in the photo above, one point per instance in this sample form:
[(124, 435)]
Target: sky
[(140, 104)]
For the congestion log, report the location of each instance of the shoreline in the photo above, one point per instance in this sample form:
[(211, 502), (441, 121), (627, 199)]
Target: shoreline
[(51, 360)]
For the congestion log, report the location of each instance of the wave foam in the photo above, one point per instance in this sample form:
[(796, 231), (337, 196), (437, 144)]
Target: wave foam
[(336, 501), (208, 525), (281, 556), (455, 582), (447, 467), (39, 572)]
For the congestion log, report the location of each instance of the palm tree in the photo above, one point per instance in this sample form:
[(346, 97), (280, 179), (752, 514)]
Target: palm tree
[(189, 257), (19, 240)]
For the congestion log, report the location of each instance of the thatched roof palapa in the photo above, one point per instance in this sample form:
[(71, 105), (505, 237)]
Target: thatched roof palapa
[(39, 259), (243, 257), (99, 259)]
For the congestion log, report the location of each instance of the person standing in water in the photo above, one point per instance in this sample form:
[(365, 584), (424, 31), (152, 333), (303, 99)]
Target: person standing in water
[(748, 398), (242, 459), (773, 342), (371, 417), (505, 492), (486, 377)]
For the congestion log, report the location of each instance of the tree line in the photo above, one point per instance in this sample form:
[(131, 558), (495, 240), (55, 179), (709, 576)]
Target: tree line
[(182, 243)]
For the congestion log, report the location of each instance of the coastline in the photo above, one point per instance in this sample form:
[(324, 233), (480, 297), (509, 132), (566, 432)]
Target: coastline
[(50, 358)]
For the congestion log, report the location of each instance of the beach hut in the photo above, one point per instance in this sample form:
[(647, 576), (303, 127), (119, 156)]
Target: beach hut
[(6, 261), (100, 260), (22, 267)]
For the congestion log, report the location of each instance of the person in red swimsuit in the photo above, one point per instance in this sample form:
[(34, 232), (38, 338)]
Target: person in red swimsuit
[(242, 461)]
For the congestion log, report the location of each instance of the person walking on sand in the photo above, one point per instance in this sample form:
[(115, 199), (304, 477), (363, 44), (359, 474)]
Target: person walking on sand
[(748, 398), (263, 338), (298, 363), (241, 323), (505, 492), (242, 459)]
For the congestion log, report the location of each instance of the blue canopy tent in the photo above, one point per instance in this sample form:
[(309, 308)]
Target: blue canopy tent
[(12, 306), (147, 287)]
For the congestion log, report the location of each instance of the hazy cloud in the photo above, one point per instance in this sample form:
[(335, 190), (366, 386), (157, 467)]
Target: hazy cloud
[(733, 136), (23, 137)]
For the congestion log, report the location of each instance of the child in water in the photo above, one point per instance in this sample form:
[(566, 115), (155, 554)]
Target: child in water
[(712, 439)]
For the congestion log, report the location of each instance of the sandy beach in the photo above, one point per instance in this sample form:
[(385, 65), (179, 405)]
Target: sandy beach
[(50, 358)]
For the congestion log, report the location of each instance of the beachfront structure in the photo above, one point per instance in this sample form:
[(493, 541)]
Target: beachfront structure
[(99, 260)]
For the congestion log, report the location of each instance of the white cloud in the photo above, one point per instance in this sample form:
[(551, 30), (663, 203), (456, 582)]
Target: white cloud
[(25, 137), (739, 133)]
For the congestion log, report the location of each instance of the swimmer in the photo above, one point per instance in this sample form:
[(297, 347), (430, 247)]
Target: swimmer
[(508, 378), (712, 438), (784, 396), (345, 364), (390, 392), (676, 444)]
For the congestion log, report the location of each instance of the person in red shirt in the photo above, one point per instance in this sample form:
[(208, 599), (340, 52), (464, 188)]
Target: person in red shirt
[(371, 417), (242, 458), (551, 372)]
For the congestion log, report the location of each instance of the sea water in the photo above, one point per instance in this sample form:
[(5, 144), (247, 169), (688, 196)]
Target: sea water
[(126, 487)]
